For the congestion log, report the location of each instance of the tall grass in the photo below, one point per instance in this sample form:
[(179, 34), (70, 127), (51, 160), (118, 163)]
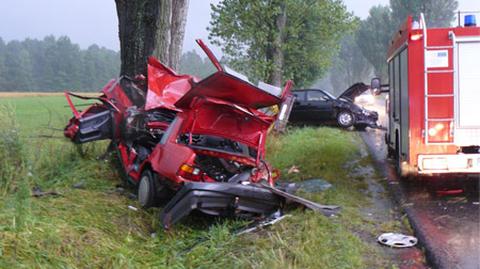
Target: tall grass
[(11, 151), (94, 228), (14, 185)]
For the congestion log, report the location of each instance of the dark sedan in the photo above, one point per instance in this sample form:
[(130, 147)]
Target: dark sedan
[(314, 106)]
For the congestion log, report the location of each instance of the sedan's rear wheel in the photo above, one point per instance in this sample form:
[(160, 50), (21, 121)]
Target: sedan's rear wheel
[(345, 119)]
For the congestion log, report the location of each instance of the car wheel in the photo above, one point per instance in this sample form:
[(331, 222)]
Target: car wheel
[(147, 190), (345, 119), (361, 127)]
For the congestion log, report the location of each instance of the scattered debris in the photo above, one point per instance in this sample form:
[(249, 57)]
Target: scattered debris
[(120, 190), (79, 185), (275, 218), (313, 185), (327, 210), (132, 208), (294, 169), (37, 192), (397, 240)]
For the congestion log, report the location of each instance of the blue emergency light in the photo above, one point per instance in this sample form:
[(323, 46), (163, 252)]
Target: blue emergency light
[(470, 20)]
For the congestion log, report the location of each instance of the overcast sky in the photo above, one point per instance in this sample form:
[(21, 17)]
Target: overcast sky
[(95, 21)]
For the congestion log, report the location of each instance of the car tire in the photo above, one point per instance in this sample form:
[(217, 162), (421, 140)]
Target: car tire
[(361, 127), (147, 190), (345, 119)]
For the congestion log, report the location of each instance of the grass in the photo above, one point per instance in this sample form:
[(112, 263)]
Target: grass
[(93, 227)]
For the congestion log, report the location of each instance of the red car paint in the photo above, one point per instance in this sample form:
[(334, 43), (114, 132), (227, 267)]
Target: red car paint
[(222, 106)]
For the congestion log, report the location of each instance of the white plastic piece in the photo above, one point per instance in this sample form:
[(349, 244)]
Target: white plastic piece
[(397, 240), (273, 90), (132, 208), (236, 74)]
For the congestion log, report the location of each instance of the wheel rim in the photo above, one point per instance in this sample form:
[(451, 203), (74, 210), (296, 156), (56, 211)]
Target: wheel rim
[(143, 191), (345, 118)]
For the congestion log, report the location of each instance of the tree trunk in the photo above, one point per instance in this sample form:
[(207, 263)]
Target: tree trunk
[(150, 27), (278, 57), (177, 31), (163, 36)]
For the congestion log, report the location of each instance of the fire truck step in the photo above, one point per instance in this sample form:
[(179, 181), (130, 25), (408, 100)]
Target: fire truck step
[(439, 71)]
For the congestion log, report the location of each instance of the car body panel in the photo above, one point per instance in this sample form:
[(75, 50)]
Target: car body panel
[(185, 130), (354, 91), (165, 87), (227, 87)]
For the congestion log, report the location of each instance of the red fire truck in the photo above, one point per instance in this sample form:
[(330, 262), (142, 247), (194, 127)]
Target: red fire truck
[(434, 98)]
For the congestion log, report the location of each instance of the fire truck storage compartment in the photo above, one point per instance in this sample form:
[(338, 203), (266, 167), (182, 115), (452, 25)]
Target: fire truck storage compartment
[(468, 84)]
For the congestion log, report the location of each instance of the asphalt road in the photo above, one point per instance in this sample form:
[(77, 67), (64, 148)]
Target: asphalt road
[(444, 212)]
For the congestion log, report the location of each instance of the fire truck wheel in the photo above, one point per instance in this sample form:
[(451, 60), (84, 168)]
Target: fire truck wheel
[(345, 119), (147, 190)]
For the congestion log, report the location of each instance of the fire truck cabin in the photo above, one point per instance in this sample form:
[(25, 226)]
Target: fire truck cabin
[(434, 98)]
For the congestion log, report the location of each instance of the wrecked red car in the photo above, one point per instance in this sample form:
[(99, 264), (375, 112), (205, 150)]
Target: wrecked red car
[(196, 144)]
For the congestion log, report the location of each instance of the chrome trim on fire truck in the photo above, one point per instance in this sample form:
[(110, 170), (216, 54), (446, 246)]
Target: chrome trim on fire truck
[(425, 74), (440, 95), (467, 39), (439, 71), (439, 47), (448, 163)]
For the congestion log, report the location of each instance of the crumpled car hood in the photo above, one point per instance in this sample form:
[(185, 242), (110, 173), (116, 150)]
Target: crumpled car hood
[(354, 91)]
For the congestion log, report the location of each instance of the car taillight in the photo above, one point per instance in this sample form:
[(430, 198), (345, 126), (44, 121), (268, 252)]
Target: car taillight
[(190, 172)]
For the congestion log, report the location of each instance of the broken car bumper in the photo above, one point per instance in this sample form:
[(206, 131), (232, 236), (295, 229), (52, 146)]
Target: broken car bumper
[(220, 199), (233, 199)]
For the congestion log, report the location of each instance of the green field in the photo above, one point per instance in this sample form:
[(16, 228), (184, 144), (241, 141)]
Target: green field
[(93, 227)]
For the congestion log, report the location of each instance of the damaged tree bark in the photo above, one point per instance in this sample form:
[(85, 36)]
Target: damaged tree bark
[(150, 27), (177, 31), (277, 52)]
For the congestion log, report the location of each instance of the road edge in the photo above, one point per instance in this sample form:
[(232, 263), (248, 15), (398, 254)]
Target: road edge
[(433, 258)]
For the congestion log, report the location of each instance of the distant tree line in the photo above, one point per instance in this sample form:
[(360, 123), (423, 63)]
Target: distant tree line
[(363, 51), (55, 64), (194, 64)]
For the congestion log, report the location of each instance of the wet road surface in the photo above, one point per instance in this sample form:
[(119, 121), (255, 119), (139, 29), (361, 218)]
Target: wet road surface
[(444, 212)]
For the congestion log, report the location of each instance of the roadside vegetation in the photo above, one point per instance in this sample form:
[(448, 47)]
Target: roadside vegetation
[(91, 226)]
